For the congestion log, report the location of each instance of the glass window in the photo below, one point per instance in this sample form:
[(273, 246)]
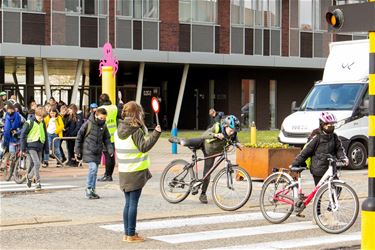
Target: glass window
[(305, 14), (274, 12), (273, 94), (259, 12), (184, 9), (124, 7), (294, 14), (275, 42), (124, 34), (137, 9), (258, 42), (248, 101), (150, 35), (236, 40), (204, 11), (103, 7), (249, 13), (321, 8), (294, 42), (65, 29), (103, 31), (237, 12), (12, 3), (12, 27), (33, 5), (150, 9), (89, 7), (202, 38), (72, 5)]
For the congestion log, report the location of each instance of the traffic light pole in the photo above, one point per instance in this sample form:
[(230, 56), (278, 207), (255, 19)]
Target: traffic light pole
[(368, 206)]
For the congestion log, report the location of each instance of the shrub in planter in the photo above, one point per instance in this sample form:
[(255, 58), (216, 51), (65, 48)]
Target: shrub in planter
[(259, 160)]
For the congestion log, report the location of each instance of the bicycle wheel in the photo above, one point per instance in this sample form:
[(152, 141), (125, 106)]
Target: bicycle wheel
[(7, 166), (274, 210), (175, 181), (230, 199), (336, 217), (19, 173)]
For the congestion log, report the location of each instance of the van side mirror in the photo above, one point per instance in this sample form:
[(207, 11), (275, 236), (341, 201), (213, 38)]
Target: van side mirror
[(293, 107), (363, 109)]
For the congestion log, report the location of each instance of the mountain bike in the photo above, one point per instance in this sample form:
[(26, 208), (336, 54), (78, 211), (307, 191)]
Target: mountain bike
[(335, 207), (231, 187)]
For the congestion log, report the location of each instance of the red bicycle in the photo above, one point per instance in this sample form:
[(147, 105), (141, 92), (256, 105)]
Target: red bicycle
[(335, 206)]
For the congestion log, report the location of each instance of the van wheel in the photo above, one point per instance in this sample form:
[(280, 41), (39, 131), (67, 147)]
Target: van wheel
[(357, 154)]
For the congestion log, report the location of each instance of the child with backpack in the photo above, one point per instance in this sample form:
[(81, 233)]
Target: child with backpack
[(34, 141), (55, 127), (89, 145)]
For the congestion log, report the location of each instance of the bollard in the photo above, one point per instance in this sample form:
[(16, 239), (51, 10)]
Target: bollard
[(174, 134), (253, 134)]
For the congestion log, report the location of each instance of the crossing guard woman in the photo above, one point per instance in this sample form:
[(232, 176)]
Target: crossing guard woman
[(133, 162)]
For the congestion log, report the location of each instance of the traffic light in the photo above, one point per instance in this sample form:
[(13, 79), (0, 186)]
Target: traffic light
[(351, 17), (335, 18)]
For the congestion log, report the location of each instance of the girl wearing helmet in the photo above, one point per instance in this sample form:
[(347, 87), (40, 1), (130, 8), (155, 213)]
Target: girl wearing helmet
[(322, 141), (214, 144)]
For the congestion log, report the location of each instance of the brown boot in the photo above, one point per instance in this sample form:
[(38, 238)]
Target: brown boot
[(134, 239)]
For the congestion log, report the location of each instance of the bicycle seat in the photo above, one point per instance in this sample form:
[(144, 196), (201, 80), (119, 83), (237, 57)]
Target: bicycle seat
[(297, 169)]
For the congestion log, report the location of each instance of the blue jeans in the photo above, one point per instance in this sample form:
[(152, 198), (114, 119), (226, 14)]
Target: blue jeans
[(91, 176), (56, 144), (130, 211)]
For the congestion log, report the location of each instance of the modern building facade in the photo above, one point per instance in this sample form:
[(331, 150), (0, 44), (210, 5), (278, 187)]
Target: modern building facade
[(262, 54)]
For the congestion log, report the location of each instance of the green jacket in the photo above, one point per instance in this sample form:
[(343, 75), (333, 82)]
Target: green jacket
[(213, 145)]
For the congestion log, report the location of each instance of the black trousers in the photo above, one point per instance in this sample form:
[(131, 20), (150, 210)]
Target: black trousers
[(109, 163), (208, 163), (70, 147)]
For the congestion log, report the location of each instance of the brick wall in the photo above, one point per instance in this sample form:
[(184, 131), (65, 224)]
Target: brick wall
[(169, 25), (285, 28), (47, 22), (224, 22), (111, 21)]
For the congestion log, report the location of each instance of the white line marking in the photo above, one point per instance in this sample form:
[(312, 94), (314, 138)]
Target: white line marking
[(19, 185), (21, 189), (298, 243), (194, 221), (235, 232)]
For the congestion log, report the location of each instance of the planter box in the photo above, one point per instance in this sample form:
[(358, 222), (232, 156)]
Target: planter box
[(259, 162)]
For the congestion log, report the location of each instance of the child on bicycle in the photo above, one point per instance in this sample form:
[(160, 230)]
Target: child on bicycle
[(214, 144), (34, 141), (323, 141)]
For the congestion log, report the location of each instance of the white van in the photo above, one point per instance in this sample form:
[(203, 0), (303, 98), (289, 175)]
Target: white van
[(343, 92)]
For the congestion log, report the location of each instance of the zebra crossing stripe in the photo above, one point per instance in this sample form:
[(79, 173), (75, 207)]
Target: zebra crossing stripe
[(235, 232), (192, 221), (298, 243), (20, 189)]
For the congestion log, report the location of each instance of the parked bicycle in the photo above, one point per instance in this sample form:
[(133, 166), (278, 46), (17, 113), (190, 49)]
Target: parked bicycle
[(335, 206), (231, 187)]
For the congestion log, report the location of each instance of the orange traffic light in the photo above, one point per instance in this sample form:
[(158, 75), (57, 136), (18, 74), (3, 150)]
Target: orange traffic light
[(335, 18)]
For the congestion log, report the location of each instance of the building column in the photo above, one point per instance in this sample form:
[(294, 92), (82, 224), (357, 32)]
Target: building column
[(47, 84), (76, 83), (180, 96), (140, 82), (28, 93), (2, 70)]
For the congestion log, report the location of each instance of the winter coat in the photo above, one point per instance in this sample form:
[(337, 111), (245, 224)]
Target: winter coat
[(11, 122), (38, 145), (319, 145), (59, 124), (72, 127), (213, 145), (90, 146), (130, 181)]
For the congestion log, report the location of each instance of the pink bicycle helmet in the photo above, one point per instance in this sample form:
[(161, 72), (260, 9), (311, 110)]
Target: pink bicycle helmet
[(327, 117)]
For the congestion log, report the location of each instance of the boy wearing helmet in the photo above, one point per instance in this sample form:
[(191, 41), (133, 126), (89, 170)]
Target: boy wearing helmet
[(214, 144), (322, 141)]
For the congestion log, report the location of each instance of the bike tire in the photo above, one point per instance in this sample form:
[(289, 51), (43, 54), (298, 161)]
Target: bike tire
[(241, 182), (335, 227), (19, 175), (184, 185), (274, 181)]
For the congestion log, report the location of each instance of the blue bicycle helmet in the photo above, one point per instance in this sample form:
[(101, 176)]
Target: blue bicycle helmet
[(232, 122)]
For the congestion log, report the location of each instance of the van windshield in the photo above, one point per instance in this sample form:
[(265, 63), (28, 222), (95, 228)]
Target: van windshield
[(332, 97)]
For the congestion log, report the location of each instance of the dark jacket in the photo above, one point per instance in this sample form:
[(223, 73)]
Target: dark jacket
[(72, 127), (319, 145), (37, 146), (135, 180), (214, 145), (91, 146), (11, 123)]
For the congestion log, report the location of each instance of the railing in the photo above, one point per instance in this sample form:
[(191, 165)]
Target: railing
[(53, 148)]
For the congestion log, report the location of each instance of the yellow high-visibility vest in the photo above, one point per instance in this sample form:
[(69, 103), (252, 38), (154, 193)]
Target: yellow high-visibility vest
[(128, 156), (36, 133), (111, 121)]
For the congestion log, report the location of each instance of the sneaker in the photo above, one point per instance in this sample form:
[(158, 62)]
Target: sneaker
[(88, 193), (203, 198), (94, 195), (134, 239), (38, 187), (28, 182), (58, 165), (45, 164), (105, 178)]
